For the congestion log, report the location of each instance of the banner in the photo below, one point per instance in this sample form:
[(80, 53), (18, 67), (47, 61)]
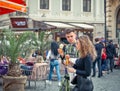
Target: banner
[(19, 22)]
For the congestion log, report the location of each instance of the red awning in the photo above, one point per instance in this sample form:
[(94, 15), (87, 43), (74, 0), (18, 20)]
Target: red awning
[(8, 6)]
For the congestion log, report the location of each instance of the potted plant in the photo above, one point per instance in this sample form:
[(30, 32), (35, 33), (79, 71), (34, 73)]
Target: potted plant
[(12, 46)]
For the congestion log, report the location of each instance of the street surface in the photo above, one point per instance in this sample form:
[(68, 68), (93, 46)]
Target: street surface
[(109, 82)]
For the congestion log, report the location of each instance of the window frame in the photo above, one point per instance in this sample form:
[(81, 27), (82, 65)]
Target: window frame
[(47, 7), (87, 5), (66, 6)]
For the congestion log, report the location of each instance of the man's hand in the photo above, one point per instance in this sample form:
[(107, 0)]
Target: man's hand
[(60, 51)]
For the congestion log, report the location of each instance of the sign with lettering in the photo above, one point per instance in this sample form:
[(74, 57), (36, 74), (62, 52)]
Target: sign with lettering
[(19, 22)]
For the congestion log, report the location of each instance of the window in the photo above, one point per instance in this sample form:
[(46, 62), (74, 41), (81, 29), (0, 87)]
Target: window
[(44, 4), (66, 5), (87, 5)]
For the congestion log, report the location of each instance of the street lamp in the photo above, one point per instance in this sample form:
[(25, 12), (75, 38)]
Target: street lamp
[(105, 29)]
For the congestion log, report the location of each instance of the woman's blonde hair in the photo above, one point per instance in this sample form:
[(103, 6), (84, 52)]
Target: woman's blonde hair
[(87, 47)]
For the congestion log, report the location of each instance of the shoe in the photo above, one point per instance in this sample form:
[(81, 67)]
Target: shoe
[(99, 76), (48, 82), (59, 83)]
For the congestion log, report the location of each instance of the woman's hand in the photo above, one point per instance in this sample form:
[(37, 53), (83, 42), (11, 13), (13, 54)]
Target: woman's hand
[(72, 70)]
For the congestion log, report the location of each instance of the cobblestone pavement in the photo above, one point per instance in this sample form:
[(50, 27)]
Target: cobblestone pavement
[(109, 82)]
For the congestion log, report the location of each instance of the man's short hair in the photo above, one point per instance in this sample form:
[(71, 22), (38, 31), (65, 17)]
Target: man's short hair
[(97, 39), (67, 31), (110, 41)]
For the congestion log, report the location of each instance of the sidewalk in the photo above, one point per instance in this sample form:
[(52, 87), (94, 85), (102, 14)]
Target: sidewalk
[(109, 82)]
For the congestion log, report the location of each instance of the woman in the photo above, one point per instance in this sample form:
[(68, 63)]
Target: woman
[(53, 57), (82, 66)]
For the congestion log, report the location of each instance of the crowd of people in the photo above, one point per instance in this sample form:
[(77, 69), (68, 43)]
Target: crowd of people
[(79, 57), (84, 55)]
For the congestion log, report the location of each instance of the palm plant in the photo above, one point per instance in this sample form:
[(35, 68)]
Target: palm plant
[(42, 42), (12, 47)]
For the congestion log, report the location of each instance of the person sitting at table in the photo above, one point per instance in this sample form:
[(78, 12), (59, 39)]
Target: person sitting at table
[(53, 57), (39, 57), (3, 65)]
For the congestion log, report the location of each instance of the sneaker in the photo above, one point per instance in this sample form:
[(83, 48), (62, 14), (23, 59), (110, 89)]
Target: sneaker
[(48, 82), (59, 83)]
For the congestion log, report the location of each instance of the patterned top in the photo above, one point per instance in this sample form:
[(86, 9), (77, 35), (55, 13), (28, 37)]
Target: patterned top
[(71, 50)]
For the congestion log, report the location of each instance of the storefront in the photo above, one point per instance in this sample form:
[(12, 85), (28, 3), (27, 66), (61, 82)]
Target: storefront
[(58, 28)]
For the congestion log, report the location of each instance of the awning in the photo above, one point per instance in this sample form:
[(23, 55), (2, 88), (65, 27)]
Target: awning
[(59, 24), (8, 6), (42, 25), (81, 25)]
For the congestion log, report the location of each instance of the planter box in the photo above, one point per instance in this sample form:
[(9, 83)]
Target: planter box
[(14, 83)]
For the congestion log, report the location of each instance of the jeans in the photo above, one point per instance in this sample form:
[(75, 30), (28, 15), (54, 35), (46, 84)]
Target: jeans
[(98, 60), (104, 65), (110, 64), (55, 64)]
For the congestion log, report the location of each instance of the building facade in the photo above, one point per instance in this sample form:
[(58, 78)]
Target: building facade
[(82, 13), (89, 12), (113, 20)]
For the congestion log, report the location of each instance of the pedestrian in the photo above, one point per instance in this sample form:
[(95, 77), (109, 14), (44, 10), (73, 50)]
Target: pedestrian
[(53, 56), (111, 53), (104, 61), (70, 49), (99, 48), (82, 66)]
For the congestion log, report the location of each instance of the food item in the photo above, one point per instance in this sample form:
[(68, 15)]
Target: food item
[(67, 59), (61, 48)]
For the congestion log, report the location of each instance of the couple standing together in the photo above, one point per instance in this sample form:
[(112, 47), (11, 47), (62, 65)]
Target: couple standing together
[(81, 53)]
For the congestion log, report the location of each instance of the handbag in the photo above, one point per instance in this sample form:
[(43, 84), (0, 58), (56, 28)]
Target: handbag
[(86, 84), (74, 80)]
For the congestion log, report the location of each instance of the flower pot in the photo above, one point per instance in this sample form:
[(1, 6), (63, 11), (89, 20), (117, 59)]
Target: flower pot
[(14, 83)]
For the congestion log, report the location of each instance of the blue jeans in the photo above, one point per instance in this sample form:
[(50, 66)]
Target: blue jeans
[(98, 61), (104, 65), (54, 63)]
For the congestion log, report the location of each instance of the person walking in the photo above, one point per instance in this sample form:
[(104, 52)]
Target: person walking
[(111, 53), (53, 56), (99, 48), (82, 66)]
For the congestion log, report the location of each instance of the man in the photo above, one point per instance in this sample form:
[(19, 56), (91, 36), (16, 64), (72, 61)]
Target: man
[(99, 49), (70, 49), (111, 53)]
